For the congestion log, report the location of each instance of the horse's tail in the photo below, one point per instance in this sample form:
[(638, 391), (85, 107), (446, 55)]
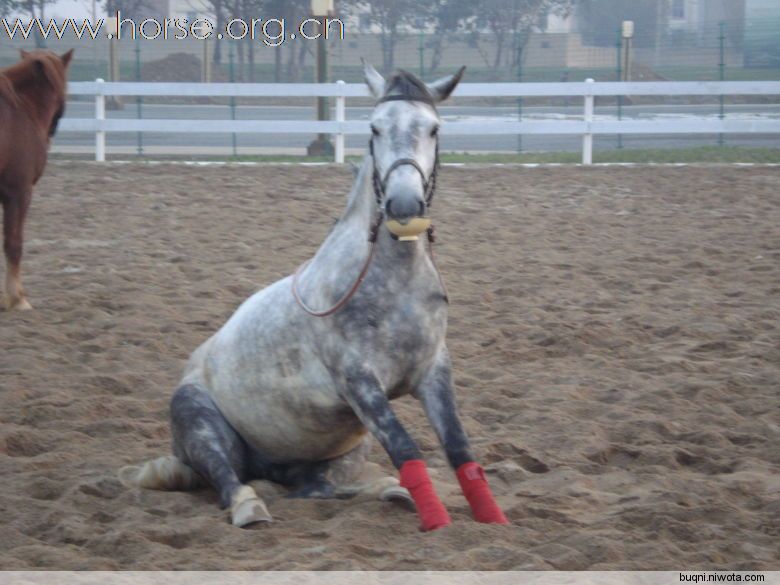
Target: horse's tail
[(163, 473)]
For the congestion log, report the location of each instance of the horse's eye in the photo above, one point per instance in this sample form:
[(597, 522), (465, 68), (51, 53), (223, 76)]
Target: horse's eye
[(434, 132), (374, 130)]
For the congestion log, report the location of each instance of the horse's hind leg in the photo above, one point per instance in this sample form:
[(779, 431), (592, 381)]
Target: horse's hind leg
[(14, 212), (323, 479), (348, 476), (205, 441)]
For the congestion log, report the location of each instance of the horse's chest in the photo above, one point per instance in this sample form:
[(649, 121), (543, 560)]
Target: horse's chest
[(399, 341)]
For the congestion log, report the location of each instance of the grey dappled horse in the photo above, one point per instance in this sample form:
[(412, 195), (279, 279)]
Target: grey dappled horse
[(292, 384)]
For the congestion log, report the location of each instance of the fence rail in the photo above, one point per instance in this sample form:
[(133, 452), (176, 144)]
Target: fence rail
[(587, 127)]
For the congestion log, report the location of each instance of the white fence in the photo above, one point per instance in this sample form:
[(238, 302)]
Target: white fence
[(587, 127)]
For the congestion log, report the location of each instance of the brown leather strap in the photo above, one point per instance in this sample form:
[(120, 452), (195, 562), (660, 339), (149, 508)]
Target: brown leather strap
[(351, 292), (343, 301), (372, 236)]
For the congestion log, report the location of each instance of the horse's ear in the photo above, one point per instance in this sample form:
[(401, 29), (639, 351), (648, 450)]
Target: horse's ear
[(442, 88), (23, 54), (67, 57), (374, 80)]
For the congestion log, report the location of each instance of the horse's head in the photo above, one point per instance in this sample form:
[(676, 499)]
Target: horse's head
[(49, 69), (405, 145)]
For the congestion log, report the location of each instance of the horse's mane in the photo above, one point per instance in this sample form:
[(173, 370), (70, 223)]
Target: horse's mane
[(26, 81), (34, 65), (52, 68), (409, 86)]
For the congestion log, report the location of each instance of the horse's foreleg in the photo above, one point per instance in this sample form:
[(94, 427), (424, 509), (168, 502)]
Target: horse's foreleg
[(205, 441), (14, 213), (435, 393), (366, 397)]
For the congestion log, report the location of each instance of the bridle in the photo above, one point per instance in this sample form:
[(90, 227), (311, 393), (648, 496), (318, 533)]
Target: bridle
[(379, 186), (380, 183)]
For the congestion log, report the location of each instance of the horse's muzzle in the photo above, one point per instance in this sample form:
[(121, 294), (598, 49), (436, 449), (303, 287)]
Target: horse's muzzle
[(406, 216), (410, 230)]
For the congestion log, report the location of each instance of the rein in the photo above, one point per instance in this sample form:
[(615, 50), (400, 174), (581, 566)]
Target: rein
[(379, 184), (345, 299)]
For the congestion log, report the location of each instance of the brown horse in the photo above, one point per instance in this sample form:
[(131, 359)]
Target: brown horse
[(32, 100)]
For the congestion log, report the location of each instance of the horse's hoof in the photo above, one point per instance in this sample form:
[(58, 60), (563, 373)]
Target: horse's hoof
[(397, 495), (249, 512), (19, 305)]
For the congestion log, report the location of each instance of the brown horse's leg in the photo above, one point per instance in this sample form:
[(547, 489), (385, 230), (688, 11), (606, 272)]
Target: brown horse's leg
[(14, 213)]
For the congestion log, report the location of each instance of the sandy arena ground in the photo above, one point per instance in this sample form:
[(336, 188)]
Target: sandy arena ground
[(615, 340)]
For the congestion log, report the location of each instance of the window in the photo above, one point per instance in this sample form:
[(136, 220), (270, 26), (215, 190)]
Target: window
[(678, 8)]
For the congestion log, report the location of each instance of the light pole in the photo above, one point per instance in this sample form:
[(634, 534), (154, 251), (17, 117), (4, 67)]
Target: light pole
[(628, 33), (320, 9), (619, 77), (114, 102)]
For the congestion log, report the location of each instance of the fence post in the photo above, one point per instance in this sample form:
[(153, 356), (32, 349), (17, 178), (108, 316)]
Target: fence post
[(587, 138), (519, 98), (100, 116), (619, 77), (722, 73), (233, 98), (341, 110)]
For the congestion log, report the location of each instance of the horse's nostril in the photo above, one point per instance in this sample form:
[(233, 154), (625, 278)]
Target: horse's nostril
[(402, 208)]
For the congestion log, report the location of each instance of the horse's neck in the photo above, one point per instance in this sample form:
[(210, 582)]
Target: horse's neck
[(345, 250), (361, 203)]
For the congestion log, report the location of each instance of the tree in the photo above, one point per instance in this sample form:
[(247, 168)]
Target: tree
[(601, 19), (5, 8), (134, 9), (389, 16), (448, 17), (34, 9), (292, 11), (510, 24)]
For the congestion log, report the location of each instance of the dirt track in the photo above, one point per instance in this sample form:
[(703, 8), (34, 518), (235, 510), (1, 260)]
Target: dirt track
[(615, 340)]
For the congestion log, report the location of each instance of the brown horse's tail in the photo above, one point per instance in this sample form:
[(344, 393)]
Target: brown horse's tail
[(163, 473), (7, 91)]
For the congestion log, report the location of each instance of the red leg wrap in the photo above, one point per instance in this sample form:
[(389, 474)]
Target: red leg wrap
[(433, 514), (477, 491)]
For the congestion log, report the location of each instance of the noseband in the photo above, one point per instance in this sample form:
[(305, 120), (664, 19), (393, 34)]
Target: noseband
[(380, 183)]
